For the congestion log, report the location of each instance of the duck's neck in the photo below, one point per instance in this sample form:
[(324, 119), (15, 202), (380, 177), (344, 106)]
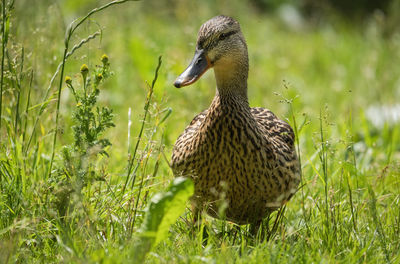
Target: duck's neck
[(231, 77)]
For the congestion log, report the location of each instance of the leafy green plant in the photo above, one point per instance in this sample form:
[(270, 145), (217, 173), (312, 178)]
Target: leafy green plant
[(91, 120), (162, 211)]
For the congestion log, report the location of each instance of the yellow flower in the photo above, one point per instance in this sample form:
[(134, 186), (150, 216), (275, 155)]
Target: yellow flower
[(84, 69), (104, 58), (99, 76), (79, 104), (84, 72), (68, 80)]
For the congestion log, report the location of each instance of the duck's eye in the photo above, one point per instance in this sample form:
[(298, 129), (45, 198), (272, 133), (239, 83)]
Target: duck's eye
[(223, 36), (227, 34)]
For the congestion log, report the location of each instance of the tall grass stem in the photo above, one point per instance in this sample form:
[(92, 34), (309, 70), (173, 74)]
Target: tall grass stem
[(146, 108), (3, 46), (18, 82), (324, 161)]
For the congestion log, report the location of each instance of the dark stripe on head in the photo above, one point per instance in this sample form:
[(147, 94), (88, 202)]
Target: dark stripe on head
[(226, 35), (214, 42)]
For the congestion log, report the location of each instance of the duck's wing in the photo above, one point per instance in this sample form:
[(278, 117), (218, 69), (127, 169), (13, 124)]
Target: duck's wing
[(273, 127), (281, 135), (182, 148)]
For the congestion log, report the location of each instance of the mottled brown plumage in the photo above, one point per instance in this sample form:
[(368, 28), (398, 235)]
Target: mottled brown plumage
[(242, 160)]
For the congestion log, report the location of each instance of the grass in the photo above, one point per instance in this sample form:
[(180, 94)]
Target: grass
[(323, 78)]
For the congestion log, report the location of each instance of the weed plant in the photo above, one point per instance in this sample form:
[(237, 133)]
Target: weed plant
[(90, 121), (80, 160)]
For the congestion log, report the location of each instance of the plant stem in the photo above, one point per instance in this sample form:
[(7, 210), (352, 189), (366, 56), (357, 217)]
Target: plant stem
[(3, 46), (18, 82), (302, 184), (58, 107), (146, 107), (26, 118), (324, 161)]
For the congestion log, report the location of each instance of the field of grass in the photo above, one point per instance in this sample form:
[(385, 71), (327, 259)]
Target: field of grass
[(83, 157)]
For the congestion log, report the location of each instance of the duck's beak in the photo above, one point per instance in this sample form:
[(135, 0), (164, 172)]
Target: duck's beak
[(199, 65)]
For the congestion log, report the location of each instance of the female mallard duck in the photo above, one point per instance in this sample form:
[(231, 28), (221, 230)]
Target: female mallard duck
[(242, 160)]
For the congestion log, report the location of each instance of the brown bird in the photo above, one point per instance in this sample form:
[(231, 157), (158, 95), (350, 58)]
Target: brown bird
[(242, 160)]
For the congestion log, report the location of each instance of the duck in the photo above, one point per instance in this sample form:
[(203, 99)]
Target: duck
[(241, 159)]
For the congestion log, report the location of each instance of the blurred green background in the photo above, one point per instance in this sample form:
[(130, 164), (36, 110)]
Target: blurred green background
[(329, 53), (325, 54)]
